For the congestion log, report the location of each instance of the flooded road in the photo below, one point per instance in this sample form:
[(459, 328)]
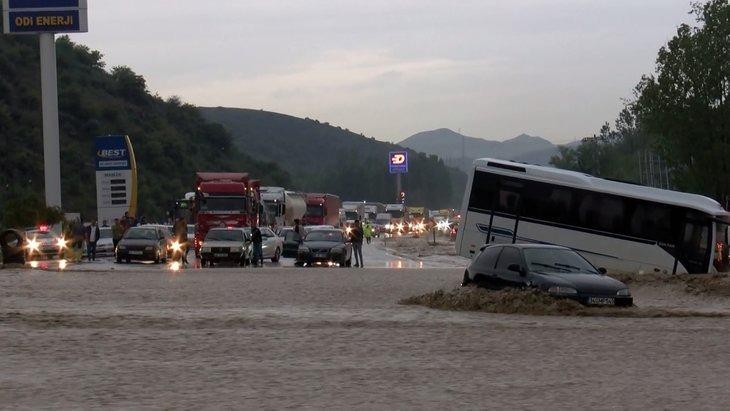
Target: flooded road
[(330, 338)]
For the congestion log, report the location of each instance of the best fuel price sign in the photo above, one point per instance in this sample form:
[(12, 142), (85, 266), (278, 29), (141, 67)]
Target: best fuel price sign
[(398, 162)]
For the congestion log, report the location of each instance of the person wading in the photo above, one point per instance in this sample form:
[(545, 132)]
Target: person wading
[(117, 231), (368, 231), (181, 234), (356, 237), (92, 236), (257, 241)]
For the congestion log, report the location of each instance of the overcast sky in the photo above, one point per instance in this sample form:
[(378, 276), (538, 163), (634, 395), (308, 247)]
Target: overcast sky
[(388, 68)]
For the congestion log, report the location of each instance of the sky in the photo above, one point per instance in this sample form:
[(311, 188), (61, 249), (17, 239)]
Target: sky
[(391, 68)]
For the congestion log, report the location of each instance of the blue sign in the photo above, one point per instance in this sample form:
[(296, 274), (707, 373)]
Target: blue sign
[(112, 153), (43, 4), (45, 16), (398, 162), (40, 21)]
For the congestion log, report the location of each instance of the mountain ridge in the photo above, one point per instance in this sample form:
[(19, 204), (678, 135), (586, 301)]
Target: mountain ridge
[(460, 150)]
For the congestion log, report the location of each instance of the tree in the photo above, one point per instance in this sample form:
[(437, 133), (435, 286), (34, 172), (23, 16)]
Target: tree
[(685, 104)]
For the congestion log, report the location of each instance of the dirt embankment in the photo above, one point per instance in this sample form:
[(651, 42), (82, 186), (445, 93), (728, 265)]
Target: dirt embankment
[(535, 303), (696, 284)]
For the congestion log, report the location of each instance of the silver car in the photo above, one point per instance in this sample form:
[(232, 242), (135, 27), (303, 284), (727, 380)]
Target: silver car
[(272, 245), (226, 244), (105, 244)]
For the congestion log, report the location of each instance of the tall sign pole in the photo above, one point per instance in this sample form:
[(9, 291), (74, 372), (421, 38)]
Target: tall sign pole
[(51, 143), (398, 164), (46, 18)]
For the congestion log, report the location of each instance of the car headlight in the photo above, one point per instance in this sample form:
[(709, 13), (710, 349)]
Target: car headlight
[(205, 250), (624, 293), (562, 290), (148, 248), (303, 249)]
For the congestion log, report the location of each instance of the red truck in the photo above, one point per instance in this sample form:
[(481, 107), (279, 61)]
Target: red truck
[(224, 200), (322, 209)]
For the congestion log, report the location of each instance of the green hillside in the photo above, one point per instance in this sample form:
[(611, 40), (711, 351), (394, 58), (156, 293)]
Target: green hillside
[(171, 140), (321, 157)]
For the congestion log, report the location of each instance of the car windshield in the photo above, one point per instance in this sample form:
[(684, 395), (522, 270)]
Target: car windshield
[(141, 234), (315, 210), (223, 204), (330, 235), (396, 213), (351, 215), (557, 260), (39, 235), (105, 233), (224, 235)]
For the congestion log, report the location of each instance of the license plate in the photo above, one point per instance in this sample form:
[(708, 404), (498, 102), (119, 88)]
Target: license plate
[(320, 255), (602, 300), (135, 252), (220, 255)]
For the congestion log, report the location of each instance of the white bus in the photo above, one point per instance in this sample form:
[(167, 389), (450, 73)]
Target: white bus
[(619, 226)]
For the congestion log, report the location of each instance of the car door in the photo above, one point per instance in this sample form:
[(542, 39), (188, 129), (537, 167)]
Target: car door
[(268, 244), (510, 256), (482, 269)]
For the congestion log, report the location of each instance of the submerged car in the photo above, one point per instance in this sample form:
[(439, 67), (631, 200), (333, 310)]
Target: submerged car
[(558, 271), (105, 245), (226, 245), (144, 243), (326, 248), (43, 244)]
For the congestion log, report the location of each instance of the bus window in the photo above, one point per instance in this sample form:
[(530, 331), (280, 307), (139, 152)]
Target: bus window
[(695, 247), (721, 247)]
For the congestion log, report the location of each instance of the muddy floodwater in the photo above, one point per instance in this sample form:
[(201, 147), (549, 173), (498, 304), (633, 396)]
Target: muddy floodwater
[(319, 338)]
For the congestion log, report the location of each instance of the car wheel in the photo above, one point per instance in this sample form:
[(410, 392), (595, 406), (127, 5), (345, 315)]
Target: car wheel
[(128, 260), (119, 260), (467, 280), (277, 255)]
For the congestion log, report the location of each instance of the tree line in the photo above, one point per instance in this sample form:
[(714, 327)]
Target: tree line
[(675, 131)]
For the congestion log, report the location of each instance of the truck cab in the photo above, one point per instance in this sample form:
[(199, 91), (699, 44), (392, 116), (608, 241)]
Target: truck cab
[(322, 209)]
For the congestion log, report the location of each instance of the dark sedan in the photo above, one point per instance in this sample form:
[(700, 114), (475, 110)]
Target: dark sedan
[(558, 271), (144, 243), (326, 247)]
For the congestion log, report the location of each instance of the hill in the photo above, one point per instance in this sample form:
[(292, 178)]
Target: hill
[(447, 144), (322, 157), (171, 140)]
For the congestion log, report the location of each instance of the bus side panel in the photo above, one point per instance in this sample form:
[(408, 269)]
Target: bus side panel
[(601, 250), (461, 248)]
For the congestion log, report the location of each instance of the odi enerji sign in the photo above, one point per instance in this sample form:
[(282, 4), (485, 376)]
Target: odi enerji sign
[(398, 162), (45, 16)]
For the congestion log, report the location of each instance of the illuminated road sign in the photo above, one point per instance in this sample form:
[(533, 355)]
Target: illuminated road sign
[(398, 162)]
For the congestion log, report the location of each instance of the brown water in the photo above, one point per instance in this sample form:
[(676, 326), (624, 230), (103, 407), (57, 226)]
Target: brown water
[(336, 338)]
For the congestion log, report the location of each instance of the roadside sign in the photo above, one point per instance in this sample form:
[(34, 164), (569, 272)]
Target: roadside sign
[(398, 162), (45, 16), (116, 177)]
